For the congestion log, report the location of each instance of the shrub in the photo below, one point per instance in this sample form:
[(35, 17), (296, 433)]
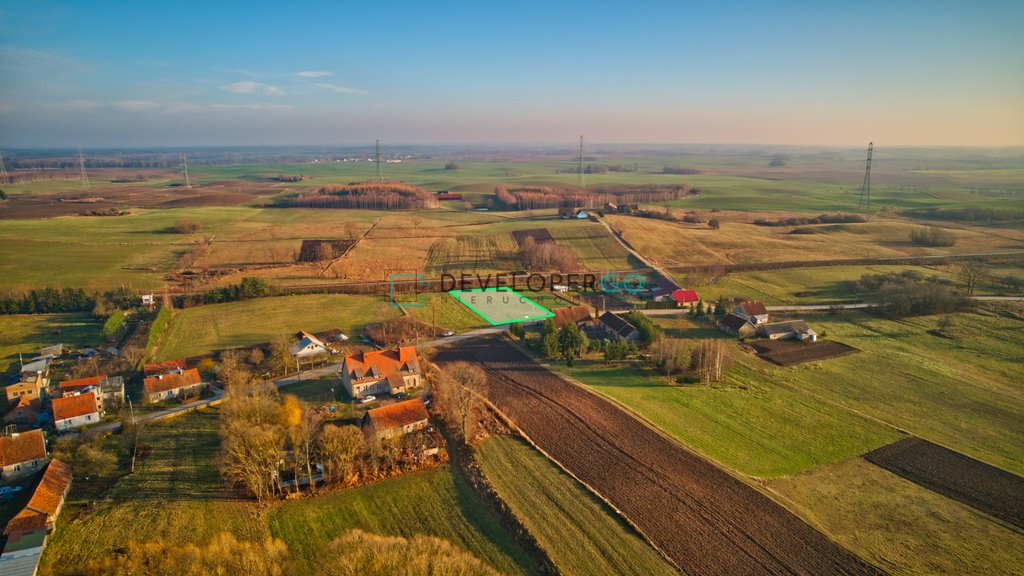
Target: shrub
[(113, 324), (159, 326), (932, 236), (187, 226)]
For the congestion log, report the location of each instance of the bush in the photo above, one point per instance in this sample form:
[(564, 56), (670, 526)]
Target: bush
[(159, 326), (187, 226), (933, 236), (451, 166), (714, 224), (113, 324), (918, 299)]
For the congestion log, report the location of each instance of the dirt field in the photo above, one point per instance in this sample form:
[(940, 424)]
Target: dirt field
[(538, 234), (704, 519), (987, 488), (791, 352)]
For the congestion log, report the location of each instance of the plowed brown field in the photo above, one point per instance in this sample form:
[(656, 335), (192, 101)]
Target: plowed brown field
[(707, 521)]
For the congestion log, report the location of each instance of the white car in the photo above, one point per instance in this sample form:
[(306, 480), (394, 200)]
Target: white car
[(448, 333), (367, 399)]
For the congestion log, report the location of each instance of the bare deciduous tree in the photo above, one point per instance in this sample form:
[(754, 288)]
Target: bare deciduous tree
[(340, 448), (709, 359)]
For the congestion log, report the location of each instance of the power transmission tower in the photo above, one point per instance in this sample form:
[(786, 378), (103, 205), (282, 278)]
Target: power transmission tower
[(865, 188), (3, 170), (81, 165), (380, 170), (184, 171), (582, 182)]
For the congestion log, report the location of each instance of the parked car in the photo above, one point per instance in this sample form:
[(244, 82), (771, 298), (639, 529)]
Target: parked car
[(367, 399), (402, 395), (448, 333)]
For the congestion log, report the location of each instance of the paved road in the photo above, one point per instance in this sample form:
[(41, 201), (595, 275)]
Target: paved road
[(811, 307)]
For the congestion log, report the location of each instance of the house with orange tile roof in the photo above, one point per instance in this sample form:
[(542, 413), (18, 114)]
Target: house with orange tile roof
[(164, 367), (23, 411), (176, 384), (111, 388), (381, 372), (75, 411), (578, 315), (46, 502), (754, 311), (22, 454), (396, 419)]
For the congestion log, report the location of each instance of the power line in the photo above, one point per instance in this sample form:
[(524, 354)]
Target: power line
[(81, 165), (3, 170), (865, 188), (582, 181), (184, 171), (380, 170)]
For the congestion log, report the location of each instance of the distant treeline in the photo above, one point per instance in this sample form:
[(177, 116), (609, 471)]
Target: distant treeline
[(48, 300), (530, 197), (679, 170), (602, 169), (965, 214), (366, 195), (819, 219)]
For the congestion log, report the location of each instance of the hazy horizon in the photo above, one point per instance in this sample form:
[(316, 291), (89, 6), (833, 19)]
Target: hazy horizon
[(111, 75)]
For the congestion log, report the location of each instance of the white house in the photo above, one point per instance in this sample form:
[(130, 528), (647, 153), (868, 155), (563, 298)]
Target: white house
[(80, 409), (753, 311)]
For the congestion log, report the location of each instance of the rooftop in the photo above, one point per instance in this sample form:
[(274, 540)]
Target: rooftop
[(381, 363), (67, 407), (22, 447), (571, 314), (172, 381), (754, 308), (398, 414)]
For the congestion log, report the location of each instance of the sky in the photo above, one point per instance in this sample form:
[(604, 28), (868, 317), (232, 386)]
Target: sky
[(96, 73)]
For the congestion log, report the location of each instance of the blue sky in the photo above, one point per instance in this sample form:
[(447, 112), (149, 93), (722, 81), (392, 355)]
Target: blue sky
[(216, 73)]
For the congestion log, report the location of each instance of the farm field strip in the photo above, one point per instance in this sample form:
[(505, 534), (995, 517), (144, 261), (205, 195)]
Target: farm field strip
[(707, 521), (981, 486)]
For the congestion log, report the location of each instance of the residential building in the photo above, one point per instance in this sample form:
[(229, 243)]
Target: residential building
[(23, 412), (685, 297), (662, 290), (737, 326), (46, 502), (176, 384), (167, 366), (111, 388), (77, 410), (579, 315), (381, 372), (308, 346), (617, 327), (22, 454), (752, 310), (36, 367), (22, 552), (31, 386), (396, 419), (791, 330)]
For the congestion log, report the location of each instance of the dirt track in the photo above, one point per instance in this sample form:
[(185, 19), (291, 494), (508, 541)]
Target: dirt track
[(705, 520), (987, 488)]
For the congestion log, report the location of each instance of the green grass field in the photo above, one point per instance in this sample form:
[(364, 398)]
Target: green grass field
[(434, 502), (178, 495), (446, 312), (580, 533), (205, 329), (27, 333), (900, 526)]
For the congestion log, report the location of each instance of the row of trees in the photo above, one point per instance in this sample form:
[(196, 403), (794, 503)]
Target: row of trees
[(932, 236), (244, 290), (527, 198), (366, 195), (48, 300), (807, 220)]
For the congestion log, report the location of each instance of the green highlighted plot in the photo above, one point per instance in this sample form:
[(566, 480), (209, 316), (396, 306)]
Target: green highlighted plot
[(501, 305)]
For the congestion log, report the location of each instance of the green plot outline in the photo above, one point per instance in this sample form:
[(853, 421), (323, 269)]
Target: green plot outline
[(456, 294)]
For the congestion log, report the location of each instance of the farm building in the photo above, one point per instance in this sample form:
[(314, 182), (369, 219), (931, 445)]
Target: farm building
[(22, 454), (792, 330), (176, 384), (36, 367), (567, 213), (46, 502), (617, 327), (381, 372), (82, 409), (31, 386), (752, 310), (396, 419), (22, 552), (579, 315), (737, 326), (23, 412), (164, 367), (662, 290), (111, 388), (308, 346), (445, 195), (54, 350)]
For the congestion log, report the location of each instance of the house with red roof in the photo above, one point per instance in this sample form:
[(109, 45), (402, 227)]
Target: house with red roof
[(396, 419), (23, 411), (164, 367), (578, 315), (752, 310), (381, 372), (176, 384), (77, 410), (46, 502), (22, 454), (685, 297)]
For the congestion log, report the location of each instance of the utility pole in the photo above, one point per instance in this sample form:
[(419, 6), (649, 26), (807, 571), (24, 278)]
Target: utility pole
[(81, 165), (865, 188), (184, 171), (582, 182), (380, 169), (3, 170)]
